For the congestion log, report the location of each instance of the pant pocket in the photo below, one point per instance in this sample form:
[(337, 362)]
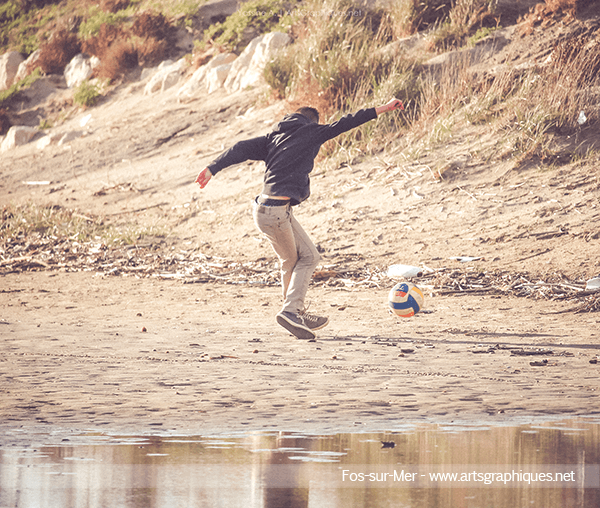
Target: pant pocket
[(273, 221)]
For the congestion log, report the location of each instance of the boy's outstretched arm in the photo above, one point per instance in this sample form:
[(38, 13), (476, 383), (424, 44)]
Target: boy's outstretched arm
[(390, 106), (330, 131), (250, 149)]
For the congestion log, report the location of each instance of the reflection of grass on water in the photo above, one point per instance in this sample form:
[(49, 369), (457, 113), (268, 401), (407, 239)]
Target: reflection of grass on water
[(22, 223)]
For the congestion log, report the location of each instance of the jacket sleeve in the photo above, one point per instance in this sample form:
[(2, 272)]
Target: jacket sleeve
[(254, 149), (346, 123)]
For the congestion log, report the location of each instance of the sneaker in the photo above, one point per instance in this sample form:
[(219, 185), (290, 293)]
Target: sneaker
[(312, 321), (294, 323)]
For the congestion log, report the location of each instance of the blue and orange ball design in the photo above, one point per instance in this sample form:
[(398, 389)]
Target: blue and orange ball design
[(406, 299)]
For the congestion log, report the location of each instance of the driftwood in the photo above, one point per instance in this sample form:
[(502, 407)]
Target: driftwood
[(349, 270)]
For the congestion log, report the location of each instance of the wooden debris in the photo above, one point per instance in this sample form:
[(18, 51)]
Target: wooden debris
[(34, 251), (530, 352)]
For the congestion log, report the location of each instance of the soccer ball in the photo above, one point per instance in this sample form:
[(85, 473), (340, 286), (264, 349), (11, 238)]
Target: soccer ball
[(406, 299)]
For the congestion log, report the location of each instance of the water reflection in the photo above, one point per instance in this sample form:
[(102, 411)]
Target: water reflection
[(278, 469)]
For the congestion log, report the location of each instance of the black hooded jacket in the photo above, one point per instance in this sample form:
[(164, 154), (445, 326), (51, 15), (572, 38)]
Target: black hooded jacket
[(289, 152)]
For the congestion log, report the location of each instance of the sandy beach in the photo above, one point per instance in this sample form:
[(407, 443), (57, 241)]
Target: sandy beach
[(127, 355)]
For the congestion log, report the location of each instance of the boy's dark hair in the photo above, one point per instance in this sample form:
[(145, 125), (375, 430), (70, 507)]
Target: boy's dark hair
[(311, 113)]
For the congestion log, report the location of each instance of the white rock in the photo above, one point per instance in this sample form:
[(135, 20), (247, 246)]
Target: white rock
[(77, 71), (264, 53), (165, 64), (248, 69), (198, 80), (16, 136), (216, 77), (47, 140), (167, 75), (147, 72), (69, 136), (85, 120), (153, 85), (43, 142), (23, 71), (9, 65), (241, 64), (170, 79)]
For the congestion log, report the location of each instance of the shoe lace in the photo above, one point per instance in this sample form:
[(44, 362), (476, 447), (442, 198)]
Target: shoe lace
[(308, 317)]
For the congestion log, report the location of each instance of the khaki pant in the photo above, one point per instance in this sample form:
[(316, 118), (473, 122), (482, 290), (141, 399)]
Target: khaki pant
[(297, 254)]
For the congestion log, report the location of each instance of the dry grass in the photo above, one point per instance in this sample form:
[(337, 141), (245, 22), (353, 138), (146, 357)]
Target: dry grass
[(99, 45), (332, 57), (117, 55), (121, 48), (463, 21), (23, 224), (412, 16), (536, 114), (564, 6), (153, 38), (119, 58), (114, 6), (545, 13), (340, 64), (58, 51)]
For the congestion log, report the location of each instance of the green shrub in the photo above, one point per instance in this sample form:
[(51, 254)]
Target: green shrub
[(87, 94), (45, 124), (480, 34), (20, 21), (97, 18), (252, 18), (10, 93)]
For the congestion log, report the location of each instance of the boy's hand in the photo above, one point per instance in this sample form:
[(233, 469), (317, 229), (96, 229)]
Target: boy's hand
[(203, 178), (395, 104), (390, 106)]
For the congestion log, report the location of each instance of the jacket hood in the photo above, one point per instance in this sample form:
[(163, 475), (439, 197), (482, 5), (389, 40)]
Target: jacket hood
[(292, 122)]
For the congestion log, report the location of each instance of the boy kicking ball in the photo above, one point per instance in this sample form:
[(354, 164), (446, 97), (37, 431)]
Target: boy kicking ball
[(289, 153)]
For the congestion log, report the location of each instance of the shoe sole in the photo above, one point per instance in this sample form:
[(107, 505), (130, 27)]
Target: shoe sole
[(296, 330)]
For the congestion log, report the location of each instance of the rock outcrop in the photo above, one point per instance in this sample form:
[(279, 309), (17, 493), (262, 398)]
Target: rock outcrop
[(247, 70), (167, 75), (235, 73), (26, 65), (80, 69), (17, 135), (9, 65)]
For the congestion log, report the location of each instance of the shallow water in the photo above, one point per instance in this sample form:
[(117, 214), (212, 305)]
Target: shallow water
[(546, 464)]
